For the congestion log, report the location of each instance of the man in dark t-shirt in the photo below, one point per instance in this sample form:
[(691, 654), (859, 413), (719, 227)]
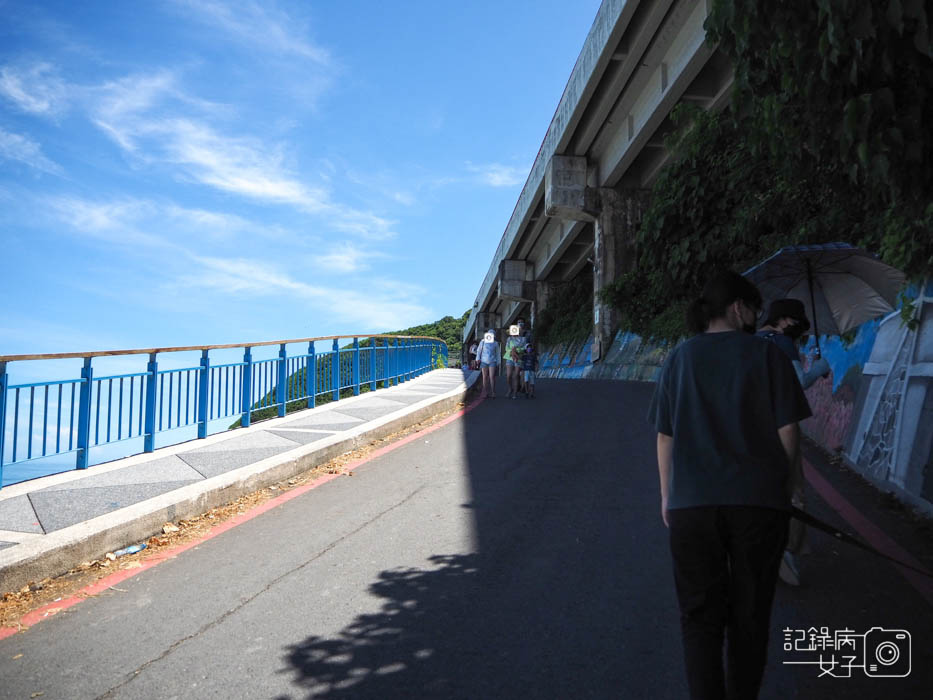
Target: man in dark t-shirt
[(726, 410), (723, 397)]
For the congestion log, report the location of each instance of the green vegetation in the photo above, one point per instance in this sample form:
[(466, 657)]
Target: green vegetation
[(448, 329), (828, 139), (568, 317)]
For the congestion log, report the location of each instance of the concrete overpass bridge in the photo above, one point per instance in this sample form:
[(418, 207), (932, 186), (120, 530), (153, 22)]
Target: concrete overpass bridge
[(603, 149)]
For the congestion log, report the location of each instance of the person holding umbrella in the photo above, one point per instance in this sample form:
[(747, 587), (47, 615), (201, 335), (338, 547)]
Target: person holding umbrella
[(726, 410), (841, 286), (785, 324)]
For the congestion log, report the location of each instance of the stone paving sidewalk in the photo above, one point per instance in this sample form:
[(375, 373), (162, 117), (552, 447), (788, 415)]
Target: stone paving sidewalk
[(46, 523)]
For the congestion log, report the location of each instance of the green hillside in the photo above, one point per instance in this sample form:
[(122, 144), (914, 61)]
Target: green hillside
[(448, 329)]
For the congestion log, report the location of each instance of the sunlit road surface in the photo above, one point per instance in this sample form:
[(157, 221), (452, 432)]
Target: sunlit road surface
[(516, 552)]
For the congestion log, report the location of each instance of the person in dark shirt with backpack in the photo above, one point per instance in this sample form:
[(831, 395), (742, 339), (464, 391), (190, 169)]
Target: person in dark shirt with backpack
[(726, 410)]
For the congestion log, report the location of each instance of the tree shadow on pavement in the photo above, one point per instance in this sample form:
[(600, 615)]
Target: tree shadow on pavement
[(566, 591), (565, 594)]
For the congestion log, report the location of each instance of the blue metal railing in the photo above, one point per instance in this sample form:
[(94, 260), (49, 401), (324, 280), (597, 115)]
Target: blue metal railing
[(54, 420)]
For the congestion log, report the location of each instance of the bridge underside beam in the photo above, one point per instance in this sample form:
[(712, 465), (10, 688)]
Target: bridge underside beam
[(641, 58)]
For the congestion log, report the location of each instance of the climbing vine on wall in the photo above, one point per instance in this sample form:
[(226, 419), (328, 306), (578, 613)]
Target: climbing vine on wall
[(568, 316), (828, 139)]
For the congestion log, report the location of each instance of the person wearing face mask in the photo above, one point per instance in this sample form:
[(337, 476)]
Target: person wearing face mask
[(726, 409), (786, 323), (784, 326), (514, 347)]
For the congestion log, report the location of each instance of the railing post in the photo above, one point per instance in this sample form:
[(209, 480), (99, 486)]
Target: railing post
[(4, 382), (372, 365), (335, 373), (386, 371), (356, 366), (152, 377), (311, 375), (396, 364), (84, 415), (400, 362), (281, 393), (408, 362), (203, 396), (247, 388)]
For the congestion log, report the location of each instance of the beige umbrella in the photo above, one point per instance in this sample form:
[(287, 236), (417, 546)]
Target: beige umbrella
[(840, 285)]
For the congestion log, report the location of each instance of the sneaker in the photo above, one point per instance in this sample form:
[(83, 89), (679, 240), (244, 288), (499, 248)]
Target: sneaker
[(789, 572)]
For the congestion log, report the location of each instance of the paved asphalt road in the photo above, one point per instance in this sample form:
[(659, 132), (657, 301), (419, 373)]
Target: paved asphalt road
[(514, 553)]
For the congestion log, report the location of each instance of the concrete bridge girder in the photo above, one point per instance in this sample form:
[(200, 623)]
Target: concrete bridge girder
[(640, 59)]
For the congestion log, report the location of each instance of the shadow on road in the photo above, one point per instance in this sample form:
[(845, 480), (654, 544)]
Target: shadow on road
[(560, 597), (568, 591)]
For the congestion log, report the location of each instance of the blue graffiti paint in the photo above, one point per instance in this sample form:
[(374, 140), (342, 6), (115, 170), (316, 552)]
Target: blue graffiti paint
[(842, 357)]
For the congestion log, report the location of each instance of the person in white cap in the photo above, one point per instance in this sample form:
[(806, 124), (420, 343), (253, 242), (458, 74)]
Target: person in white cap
[(488, 354)]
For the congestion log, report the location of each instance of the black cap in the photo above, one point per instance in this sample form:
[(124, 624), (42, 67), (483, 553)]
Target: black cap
[(789, 308)]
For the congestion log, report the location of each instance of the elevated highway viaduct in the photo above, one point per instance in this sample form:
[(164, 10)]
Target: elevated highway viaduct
[(587, 189)]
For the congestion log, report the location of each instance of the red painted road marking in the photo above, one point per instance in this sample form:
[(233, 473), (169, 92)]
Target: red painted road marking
[(47, 611), (870, 532)]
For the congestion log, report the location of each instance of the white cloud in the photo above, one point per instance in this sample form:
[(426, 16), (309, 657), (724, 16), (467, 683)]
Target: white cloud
[(238, 165), (498, 175), (260, 25), (140, 114), (346, 258), (132, 221), (381, 307), (212, 223), (120, 222), (24, 150), (36, 89), (118, 105), (130, 112)]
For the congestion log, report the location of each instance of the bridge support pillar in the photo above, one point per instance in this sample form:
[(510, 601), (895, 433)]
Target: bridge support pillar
[(486, 320), (543, 291), (620, 214)]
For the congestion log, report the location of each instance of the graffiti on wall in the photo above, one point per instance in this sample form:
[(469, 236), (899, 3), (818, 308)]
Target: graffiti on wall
[(891, 431), (875, 407)]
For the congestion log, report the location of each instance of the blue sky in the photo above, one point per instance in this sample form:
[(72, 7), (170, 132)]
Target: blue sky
[(205, 172)]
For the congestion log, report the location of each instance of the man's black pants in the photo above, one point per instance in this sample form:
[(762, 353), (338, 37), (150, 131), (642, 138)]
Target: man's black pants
[(726, 560)]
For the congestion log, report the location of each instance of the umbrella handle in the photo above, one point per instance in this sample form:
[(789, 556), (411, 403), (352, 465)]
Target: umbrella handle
[(816, 330)]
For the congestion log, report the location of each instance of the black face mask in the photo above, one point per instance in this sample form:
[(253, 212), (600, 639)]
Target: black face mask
[(794, 331), (749, 328)]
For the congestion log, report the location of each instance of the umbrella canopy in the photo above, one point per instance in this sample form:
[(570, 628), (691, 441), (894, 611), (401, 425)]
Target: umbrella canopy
[(840, 285)]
